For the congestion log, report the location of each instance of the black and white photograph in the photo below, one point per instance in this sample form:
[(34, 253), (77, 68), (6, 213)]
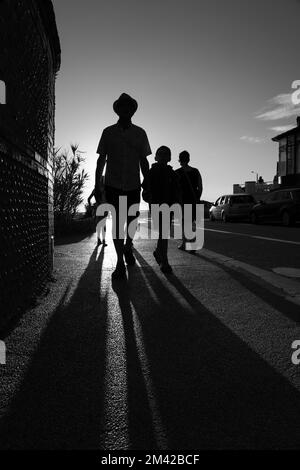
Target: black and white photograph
[(149, 228)]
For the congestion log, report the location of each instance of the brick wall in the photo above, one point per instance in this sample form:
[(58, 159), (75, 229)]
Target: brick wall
[(29, 60)]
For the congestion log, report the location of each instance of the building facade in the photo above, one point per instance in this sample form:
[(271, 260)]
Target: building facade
[(29, 62), (259, 190), (288, 166)]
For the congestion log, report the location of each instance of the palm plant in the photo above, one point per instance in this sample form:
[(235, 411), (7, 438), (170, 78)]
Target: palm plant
[(69, 181)]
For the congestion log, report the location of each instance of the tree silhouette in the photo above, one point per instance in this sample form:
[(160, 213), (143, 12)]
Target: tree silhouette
[(69, 181)]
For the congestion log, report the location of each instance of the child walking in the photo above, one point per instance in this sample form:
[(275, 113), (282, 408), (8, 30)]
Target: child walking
[(163, 188), (100, 221)]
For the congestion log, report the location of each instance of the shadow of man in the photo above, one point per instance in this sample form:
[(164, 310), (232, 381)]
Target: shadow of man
[(140, 425), (212, 390)]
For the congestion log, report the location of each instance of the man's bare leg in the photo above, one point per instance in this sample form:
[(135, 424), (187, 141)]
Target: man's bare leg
[(132, 221), (118, 238)]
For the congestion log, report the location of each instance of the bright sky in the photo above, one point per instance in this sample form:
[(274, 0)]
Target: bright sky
[(211, 76)]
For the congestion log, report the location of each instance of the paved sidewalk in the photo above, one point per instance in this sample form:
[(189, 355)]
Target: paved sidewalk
[(196, 360)]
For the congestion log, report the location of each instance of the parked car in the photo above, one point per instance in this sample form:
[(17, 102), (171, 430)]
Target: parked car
[(232, 206), (207, 206), (282, 205)]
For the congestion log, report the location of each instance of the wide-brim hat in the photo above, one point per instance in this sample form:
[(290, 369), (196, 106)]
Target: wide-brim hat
[(124, 98)]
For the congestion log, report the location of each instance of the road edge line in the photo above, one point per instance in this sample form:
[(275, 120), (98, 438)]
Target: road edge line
[(290, 288)]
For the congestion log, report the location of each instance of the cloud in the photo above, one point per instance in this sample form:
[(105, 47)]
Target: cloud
[(279, 107), (281, 129), (252, 140)]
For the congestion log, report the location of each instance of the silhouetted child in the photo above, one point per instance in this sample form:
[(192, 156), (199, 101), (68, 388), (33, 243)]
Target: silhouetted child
[(100, 220), (163, 189)]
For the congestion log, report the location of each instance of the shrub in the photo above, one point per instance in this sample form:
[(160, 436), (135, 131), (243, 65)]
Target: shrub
[(69, 181)]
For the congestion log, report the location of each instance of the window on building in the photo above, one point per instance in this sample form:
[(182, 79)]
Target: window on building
[(291, 155), (2, 92), (298, 158), (281, 168)]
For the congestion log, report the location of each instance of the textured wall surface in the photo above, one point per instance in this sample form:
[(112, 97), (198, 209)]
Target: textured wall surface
[(28, 65)]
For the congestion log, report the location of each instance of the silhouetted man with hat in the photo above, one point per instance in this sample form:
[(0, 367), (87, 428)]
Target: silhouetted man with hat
[(124, 148)]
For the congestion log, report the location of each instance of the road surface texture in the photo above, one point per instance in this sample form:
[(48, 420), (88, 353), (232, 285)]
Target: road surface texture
[(200, 359)]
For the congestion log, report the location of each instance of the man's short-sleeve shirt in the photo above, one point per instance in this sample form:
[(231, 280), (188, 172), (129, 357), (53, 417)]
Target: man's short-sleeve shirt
[(124, 149)]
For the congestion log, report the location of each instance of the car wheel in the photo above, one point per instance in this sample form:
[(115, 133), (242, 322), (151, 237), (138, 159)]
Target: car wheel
[(224, 217), (286, 219), (253, 218)]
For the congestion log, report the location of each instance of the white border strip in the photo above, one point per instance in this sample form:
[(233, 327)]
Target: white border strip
[(279, 240), (290, 288)]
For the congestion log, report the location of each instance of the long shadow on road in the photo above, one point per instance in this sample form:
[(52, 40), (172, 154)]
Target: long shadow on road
[(59, 404), (270, 295), (191, 382), (211, 389), (140, 423)]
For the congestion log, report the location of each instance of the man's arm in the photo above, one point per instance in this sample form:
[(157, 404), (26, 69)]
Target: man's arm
[(200, 186), (145, 152), (144, 168), (102, 152), (99, 171)]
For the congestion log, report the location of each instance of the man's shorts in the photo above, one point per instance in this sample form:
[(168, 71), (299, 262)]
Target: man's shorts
[(112, 197)]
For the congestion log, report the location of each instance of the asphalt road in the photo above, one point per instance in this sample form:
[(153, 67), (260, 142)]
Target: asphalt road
[(198, 360), (265, 246)]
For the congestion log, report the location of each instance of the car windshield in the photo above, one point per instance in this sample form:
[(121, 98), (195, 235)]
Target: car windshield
[(296, 196), (242, 199)]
